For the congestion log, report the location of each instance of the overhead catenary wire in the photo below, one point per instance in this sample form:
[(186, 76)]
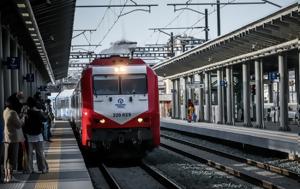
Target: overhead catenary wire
[(109, 30)]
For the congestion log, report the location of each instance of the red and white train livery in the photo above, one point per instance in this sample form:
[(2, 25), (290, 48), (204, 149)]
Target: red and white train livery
[(119, 104)]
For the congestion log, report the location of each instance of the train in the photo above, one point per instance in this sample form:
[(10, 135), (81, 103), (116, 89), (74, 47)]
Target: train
[(115, 104)]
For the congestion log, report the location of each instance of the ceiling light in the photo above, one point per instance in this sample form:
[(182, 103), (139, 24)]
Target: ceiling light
[(31, 29), (25, 14), (21, 5), (33, 34), (38, 43), (35, 39), (28, 22), (39, 47)]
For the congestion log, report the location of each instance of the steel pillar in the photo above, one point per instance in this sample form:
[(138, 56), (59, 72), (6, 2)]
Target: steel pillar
[(178, 103), (258, 96), (174, 98), (15, 72), (192, 90), (185, 98), (270, 92), (21, 71), (207, 97), (246, 95), (283, 92), (1, 72), (7, 72), (297, 79), (201, 100), (220, 96), (229, 95)]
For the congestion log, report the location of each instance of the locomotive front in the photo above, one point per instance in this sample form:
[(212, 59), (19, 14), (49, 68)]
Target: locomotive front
[(124, 103)]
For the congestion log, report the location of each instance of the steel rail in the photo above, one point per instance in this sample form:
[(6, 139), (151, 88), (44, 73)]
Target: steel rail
[(248, 177), (156, 174), (258, 164), (109, 178)]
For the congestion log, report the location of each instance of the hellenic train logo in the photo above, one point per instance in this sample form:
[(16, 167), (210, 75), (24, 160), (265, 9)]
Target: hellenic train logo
[(120, 103)]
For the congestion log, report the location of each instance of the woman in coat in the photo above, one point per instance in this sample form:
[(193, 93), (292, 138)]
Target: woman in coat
[(12, 136)]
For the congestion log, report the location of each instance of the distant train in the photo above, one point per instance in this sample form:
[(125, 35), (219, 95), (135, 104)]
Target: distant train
[(116, 103)]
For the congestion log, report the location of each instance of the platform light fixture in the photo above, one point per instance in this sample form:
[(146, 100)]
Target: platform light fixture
[(21, 5), (25, 10), (28, 22), (25, 14)]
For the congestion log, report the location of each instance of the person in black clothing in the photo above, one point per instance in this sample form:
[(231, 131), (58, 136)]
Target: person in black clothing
[(33, 129)]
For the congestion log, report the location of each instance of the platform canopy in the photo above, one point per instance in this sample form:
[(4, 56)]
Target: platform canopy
[(269, 35), (51, 22)]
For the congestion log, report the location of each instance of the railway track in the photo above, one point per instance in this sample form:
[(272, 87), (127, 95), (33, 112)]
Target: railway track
[(116, 181), (232, 165)]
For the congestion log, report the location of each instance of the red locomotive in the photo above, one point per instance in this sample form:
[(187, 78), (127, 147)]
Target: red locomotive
[(116, 103)]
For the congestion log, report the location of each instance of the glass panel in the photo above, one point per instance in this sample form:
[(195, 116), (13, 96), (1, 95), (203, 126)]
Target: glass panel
[(106, 85), (133, 84)]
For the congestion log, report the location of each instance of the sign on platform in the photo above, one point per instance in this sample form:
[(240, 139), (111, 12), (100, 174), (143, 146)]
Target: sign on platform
[(13, 63), (195, 85)]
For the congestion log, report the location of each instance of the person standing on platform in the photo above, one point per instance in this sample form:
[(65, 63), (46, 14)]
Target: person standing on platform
[(13, 135), (33, 129), (191, 110)]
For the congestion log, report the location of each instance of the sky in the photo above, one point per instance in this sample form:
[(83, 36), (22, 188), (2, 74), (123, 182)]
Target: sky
[(135, 26)]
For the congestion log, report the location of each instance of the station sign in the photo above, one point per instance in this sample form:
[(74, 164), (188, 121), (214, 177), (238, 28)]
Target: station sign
[(195, 85), (29, 77), (42, 88), (223, 83), (13, 63), (273, 76)]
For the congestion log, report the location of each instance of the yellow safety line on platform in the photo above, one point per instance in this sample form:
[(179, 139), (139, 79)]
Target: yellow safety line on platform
[(54, 169)]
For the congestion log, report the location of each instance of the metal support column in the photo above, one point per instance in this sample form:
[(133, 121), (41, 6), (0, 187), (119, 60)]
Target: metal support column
[(178, 103), (270, 92), (220, 96), (297, 78), (185, 98), (246, 95), (258, 95), (207, 97), (283, 92), (30, 83), (21, 71), (14, 72), (7, 72), (1, 73), (174, 98), (192, 90), (201, 100), (218, 18), (229, 95)]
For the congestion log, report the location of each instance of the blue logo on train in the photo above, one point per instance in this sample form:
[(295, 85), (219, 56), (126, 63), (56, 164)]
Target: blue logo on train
[(120, 103)]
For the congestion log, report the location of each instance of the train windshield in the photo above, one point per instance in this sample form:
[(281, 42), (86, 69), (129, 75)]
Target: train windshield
[(133, 84), (106, 85)]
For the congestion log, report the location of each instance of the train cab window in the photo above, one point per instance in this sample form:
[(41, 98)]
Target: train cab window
[(133, 84), (106, 85)]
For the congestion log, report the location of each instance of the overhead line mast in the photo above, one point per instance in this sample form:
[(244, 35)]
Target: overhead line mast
[(218, 3)]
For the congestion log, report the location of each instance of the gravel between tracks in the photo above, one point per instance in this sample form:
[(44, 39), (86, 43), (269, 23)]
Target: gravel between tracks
[(289, 165), (191, 174)]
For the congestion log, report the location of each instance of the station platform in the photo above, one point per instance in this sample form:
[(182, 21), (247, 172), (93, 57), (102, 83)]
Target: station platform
[(275, 140), (66, 165)]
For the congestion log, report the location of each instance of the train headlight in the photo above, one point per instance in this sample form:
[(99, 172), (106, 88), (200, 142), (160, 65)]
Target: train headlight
[(85, 113), (102, 121), (120, 69), (140, 120)]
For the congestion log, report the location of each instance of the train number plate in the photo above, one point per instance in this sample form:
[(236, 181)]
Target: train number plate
[(121, 114)]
